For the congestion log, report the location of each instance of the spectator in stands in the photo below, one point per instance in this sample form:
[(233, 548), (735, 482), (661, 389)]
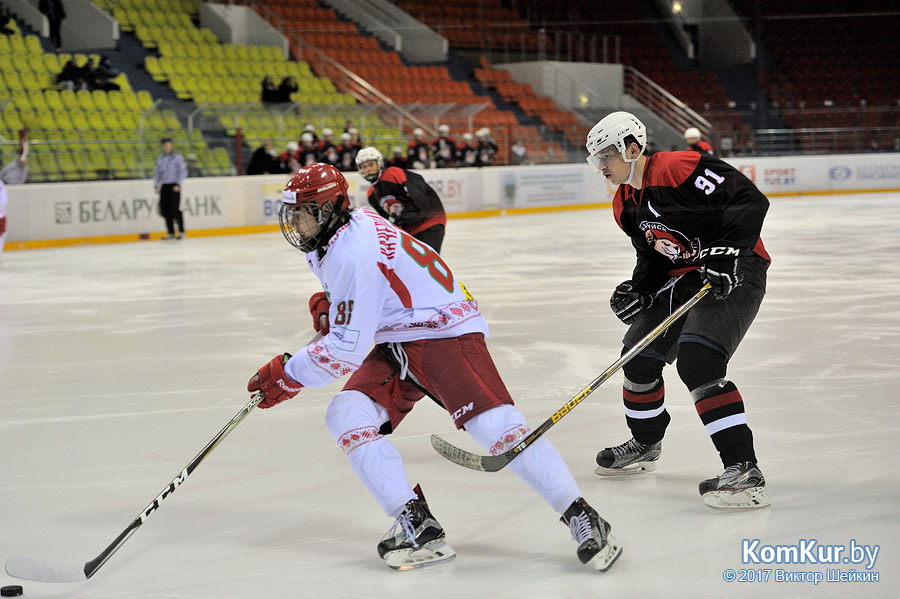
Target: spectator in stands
[(264, 160), (168, 174), (693, 138), (895, 146), (55, 13), (5, 21), (309, 151), (16, 172), (349, 124), (71, 76), (289, 160), (287, 87), (346, 154), (443, 148), (466, 152), (417, 151), (269, 91), (519, 153), (874, 146), (487, 147), (102, 74), (398, 158)]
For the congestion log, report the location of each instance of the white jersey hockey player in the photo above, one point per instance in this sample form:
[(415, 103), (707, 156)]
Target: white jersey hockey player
[(381, 285)]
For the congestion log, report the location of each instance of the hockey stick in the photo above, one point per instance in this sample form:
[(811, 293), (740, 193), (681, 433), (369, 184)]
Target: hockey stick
[(493, 463), (41, 571)]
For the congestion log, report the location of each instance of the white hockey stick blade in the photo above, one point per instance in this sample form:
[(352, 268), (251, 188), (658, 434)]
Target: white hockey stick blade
[(40, 571)]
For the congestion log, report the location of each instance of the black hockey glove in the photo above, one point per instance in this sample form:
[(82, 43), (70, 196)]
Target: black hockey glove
[(627, 302), (721, 267)]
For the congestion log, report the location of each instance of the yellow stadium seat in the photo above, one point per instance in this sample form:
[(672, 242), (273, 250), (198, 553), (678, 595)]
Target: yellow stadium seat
[(116, 101), (145, 100), (85, 101), (100, 99), (33, 45)]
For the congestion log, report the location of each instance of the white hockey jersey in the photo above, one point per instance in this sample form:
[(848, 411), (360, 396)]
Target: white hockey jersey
[(384, 286)]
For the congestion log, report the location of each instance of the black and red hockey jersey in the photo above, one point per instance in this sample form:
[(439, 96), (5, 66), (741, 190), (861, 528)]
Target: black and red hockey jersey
[(687, 202), (421, 207)]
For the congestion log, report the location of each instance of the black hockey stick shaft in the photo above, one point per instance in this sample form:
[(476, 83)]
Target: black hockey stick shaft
[(91, 567), (492, 463), (30, 569)]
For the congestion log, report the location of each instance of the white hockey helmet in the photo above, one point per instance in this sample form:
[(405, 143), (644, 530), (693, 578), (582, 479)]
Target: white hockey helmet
[(612, 130), (310, 127), (307, 138), (443, 130), (292, 146), (467, 137), (418, 133), (483, 133), (345, 137), (368, 154), (691, 133), (326, 132)]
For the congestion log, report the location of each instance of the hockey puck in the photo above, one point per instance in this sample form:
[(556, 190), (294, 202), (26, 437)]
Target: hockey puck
[(13, 590)]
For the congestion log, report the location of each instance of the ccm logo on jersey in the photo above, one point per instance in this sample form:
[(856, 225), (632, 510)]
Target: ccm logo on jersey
[(719, 251), (463, 410)]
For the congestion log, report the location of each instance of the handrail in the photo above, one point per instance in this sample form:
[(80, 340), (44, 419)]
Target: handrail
[(665, 105), (364, 92)]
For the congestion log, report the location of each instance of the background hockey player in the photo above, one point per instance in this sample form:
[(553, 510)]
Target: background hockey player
[(691, 218), (404, 198), (418, 151), (382, 285), (694, 140)]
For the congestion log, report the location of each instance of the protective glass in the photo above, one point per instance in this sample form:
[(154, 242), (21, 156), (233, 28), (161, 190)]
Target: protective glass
[(601, 159)]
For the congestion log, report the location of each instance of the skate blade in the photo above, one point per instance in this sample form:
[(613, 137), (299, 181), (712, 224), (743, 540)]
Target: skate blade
[(430, 554), (636, 468), (604, 560), (746, 499)]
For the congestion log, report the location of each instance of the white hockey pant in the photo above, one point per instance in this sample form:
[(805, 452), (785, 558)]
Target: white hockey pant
[(541, 466)]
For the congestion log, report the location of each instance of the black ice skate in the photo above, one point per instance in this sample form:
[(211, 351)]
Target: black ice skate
[(740, 487), (596, 546), (416, 540), (631, 457)]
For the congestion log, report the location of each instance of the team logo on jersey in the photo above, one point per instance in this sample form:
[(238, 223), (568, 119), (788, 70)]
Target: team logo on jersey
[(672, 244)]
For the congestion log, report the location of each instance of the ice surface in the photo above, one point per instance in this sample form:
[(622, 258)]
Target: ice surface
[(119, 363)]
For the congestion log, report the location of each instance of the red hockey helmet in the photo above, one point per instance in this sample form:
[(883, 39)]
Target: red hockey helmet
[(314, 205)]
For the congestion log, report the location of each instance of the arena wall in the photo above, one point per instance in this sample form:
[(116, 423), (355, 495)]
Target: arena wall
[(56, 214)]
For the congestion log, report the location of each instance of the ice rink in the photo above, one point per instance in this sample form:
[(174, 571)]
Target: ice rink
[(118, 363)]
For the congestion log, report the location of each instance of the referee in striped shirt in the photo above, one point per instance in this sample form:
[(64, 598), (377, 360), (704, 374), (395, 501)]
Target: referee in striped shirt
[(168, 173)]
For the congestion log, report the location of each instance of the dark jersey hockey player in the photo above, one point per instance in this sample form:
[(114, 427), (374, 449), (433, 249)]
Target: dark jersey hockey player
[(694, 140), (692, 218), (404, 198)]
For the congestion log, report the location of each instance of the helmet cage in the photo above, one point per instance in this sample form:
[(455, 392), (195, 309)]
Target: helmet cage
[(312, 206)]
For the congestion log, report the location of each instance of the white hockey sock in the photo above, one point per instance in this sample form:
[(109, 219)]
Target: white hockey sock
[(353, 421), (541, 466)]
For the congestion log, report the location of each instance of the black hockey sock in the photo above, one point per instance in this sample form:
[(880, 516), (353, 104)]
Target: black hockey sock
[(645, 413), (721, 409)]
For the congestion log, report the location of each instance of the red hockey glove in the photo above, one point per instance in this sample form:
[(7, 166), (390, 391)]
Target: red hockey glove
[(319, 307), (627, 302), (274, 383), (721, 268)]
